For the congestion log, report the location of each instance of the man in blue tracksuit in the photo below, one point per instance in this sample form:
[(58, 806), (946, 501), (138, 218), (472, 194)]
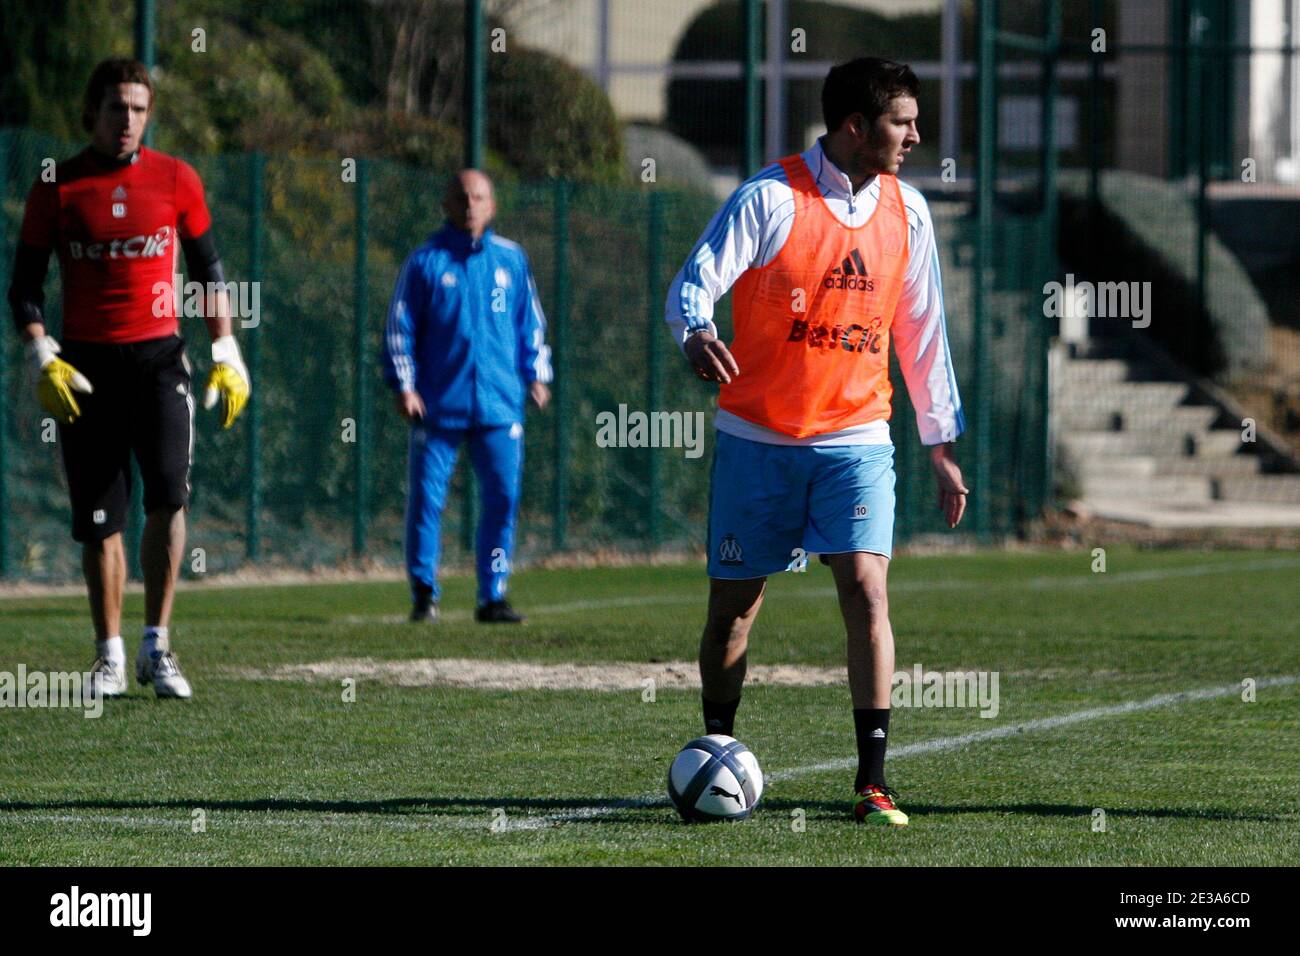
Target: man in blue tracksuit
[(464, 343)]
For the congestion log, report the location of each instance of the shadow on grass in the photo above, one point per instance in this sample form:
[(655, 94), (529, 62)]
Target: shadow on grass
[(826, 810), (603, 810), (610, 807)]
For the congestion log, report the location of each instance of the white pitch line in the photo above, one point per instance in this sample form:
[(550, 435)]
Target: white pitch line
[(1041, 723), (219, 819), (897, 587), (934, 746)]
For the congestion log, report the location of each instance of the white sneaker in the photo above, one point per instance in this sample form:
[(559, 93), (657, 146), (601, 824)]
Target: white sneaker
[(107, 679), (163, 670)]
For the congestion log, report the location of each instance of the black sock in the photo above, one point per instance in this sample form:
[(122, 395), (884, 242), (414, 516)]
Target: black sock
[(720, 718), (872, 727)]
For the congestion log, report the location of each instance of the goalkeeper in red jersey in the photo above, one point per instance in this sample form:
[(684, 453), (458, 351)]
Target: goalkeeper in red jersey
[(119, 382)]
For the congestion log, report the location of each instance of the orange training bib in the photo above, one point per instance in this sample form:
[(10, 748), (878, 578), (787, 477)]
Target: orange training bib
[(812, 326)]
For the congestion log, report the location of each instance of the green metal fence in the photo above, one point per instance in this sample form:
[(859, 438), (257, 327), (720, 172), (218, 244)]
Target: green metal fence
[(1013, 233), (1171, 126), (1184, 174), (314, 473)]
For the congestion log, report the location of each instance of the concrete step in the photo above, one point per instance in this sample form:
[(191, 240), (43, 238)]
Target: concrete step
[(1180, 418), (1273, 489), (1140, 454), (1183, 418), (1164, 488), (1217, 442), (1095, 371), (1099, 372), (1114, 466), (1082, 445), (1226, 466), (1205, 514), (1098, 347), (1146, 466), (1125, 397)]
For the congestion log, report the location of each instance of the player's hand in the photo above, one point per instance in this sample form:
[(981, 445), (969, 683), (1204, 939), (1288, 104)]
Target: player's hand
[(539, 394), (409, 405), (710, 358), (228, 380), (56, 380), (952, 490)]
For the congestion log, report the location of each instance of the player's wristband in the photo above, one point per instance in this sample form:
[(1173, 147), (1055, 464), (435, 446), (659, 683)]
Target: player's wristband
[(42, 351), (226, 349)]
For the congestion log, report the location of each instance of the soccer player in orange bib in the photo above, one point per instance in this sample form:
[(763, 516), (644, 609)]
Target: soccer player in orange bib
[(831, 258)]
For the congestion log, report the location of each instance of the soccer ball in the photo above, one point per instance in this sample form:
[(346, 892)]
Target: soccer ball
[(715, 778)]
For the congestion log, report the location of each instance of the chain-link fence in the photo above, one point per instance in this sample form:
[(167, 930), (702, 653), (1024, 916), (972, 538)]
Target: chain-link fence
[(315, 472), (1187, 113), (578, 96)]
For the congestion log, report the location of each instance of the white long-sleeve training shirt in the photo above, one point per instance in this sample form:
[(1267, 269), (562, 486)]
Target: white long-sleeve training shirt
[(749, 231)]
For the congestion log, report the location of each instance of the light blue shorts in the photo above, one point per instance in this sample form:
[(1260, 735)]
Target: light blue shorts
[(771, 505)]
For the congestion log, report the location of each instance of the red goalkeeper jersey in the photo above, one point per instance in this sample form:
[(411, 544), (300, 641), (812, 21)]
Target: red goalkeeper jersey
[(117, 232)]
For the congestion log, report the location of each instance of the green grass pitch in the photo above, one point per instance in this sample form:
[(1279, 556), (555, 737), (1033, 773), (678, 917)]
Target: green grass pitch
[(288, 772)]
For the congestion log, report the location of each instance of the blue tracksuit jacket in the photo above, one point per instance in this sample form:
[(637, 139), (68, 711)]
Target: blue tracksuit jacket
[(465, 329)]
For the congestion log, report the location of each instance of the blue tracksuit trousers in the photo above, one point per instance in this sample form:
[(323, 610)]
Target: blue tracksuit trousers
[(497, 454)]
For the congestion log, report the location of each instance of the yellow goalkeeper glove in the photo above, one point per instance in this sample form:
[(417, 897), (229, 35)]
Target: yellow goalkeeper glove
[(56, 380), (228, 380)]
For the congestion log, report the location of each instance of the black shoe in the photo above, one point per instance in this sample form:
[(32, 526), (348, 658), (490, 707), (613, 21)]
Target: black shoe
[(497, 612), (425, 612), (424, 607)]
